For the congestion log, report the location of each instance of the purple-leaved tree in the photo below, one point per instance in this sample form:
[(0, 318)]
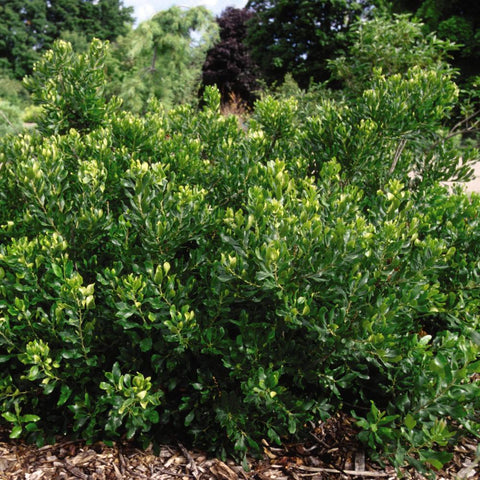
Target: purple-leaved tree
[(228, 64)]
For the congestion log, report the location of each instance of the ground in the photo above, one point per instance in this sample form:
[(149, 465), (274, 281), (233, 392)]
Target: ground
[(474, 185), (331, 451)]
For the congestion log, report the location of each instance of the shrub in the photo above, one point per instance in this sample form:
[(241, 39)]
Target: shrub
[(175, 273), (394, 130), (69, 87), (10, 118), (393, 44)]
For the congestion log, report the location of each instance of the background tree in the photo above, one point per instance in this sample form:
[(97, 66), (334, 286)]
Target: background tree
[(30, 28), (13, 100), (393, 45), (22, 32), (297, 37), (104, 19), (454, 20), (163, 57), (228, 64)]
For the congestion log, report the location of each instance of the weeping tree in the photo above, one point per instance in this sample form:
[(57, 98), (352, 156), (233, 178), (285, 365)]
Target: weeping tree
[(162, 57)]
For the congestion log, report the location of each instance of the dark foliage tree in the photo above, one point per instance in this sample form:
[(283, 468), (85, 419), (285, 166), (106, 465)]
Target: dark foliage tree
[(105, 20), (229, 65), (29, 28), (297, 37), (22, 32)]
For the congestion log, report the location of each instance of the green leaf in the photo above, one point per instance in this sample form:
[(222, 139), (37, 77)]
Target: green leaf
[(16, 431), (31, 427), (131, 432), (436, 459), (146, 344), (30, 418), (68, 269), (410, 422), (273, 436), (65, 392), (57, 270), (189, 418), (49, 388), (292, 424), (239, 445), (34, 372), (9, 417), (116, 372), (153, 416)]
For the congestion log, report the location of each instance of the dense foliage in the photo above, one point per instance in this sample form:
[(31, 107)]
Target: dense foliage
[(69, 89), (456, 21), (177, 274), (28, 29), (299, 37), (392, 45)]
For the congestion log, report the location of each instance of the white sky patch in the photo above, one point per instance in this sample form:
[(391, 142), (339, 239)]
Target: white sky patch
[(145, 9)]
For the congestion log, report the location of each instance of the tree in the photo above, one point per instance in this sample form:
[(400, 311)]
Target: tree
[(30, 28), (393, 45), (297, 37), (454, 20), (162, 57), (104, 19), (228, 64), (22, 33)]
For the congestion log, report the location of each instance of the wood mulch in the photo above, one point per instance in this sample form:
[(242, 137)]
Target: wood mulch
[(331, 452)]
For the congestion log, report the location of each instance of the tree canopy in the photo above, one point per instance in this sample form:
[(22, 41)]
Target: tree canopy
[(30, 28), (297, 37), (162, 57), (393, 45), (228, 64), (454, 20)]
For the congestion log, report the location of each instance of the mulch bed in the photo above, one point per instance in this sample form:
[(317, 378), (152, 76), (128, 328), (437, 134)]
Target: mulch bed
[(331, 452)]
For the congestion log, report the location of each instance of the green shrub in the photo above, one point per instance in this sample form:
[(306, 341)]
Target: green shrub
[(393, 130), (32, 114), (69, 87), (12, 91), (10, 118), (175, 273), (392, 44)]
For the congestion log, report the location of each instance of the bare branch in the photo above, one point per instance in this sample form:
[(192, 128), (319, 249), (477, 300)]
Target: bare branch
[(398, 153)]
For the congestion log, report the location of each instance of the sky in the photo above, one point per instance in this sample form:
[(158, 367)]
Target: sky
[(145, 9)]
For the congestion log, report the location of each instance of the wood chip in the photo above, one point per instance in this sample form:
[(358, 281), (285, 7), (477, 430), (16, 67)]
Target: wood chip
[(222, 471), (332, 452), (356, 473), (191, 462), (360, 461), (469, 470)]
